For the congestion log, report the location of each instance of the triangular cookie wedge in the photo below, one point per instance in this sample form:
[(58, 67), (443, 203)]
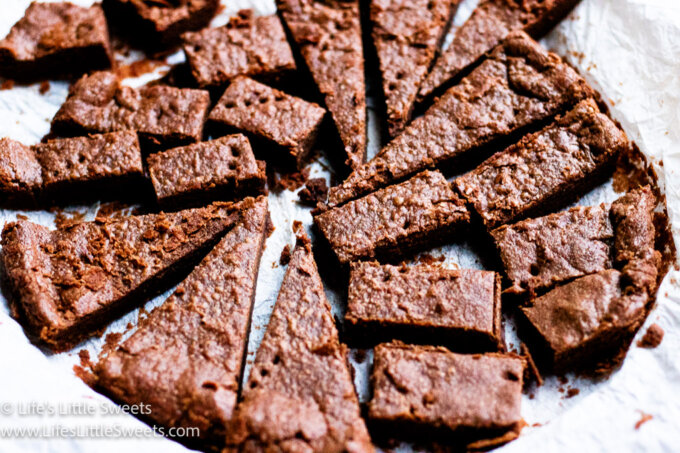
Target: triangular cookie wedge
[(488, 25), (185, 360), (407, 34), (328, 35), (69, 282), (300, 395), (518, 87)]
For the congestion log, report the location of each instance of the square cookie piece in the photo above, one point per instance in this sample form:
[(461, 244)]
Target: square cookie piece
[(56, 39), (460, 309), (219, 169), (540, 253), (284, 125), (573, 324), (247, 45)]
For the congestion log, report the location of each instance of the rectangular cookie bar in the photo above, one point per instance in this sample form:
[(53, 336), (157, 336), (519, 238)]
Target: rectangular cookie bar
[(247, 45), (460, 309), (219, 169), (80, 168), (72, 169), (425, 391), (393, 221), (545, 170), (284, 127), (163, 116)]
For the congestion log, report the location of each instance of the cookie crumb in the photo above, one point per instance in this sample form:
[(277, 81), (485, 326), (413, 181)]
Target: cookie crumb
[(531, 370), (644, 418), (652, 337), (572, 392), (44, 87), (430, 260), (290, 181), (360, 355), (111, 341), (314, 192), (285, 255), (85, 361), (85, 375)]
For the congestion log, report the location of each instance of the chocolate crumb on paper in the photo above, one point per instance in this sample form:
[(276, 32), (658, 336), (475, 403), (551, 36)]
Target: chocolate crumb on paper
[(84, 370), (652, 337), (572, 392), (644, 418), (531, 370), (289, 181), (315, 191), (85, 361), (285, 255)]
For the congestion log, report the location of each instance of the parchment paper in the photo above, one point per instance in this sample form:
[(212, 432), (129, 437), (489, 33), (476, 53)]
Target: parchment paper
[(628, 49)]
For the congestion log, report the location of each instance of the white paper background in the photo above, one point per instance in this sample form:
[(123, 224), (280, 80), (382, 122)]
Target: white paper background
[(629, 50)]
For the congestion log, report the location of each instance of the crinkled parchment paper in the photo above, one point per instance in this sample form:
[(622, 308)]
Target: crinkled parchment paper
[(628, 49)]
